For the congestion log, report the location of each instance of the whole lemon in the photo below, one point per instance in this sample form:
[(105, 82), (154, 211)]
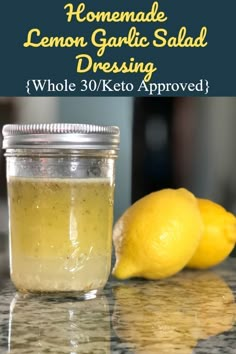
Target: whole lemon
[(219, 235), (157, 236)]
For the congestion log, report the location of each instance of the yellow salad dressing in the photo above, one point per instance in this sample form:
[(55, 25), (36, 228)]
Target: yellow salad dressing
[(60, 233)]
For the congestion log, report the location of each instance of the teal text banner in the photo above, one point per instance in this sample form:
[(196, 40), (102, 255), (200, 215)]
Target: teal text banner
[(117, 48)]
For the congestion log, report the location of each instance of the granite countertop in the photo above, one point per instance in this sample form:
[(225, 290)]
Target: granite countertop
[(193, 312)]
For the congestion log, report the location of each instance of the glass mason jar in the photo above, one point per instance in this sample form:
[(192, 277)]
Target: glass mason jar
[(60, 181)]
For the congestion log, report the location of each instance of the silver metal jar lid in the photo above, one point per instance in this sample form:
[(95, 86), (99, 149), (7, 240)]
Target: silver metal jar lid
[(60, 136)]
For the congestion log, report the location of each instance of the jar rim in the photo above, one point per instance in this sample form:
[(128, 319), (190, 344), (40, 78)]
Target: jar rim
[(61, 136)]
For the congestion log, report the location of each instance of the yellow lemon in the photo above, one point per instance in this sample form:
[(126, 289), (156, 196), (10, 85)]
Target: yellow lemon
[(219, 235), (157, 236)]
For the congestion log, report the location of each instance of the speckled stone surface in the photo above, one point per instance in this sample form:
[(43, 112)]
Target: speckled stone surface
[(191, 313)]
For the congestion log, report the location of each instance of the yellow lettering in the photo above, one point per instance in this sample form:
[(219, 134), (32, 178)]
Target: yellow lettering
[(181, 36), (29, 43), (199, 42), (150, 69), (154, 15), (80, 61), (115, 67), (54, 41), (160, 38), (101, 44), (70, 13), (181, 40), (133, 39), (44, 42)]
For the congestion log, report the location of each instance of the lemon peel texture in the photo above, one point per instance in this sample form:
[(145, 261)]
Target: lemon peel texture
[(158, 235)]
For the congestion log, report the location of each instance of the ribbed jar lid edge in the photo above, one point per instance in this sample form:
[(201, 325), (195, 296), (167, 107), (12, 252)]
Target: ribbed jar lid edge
[(61, 135), (58, 128)]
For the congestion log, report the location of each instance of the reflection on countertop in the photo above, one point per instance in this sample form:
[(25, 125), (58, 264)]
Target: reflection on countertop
[(191, 313), (65, 326)]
